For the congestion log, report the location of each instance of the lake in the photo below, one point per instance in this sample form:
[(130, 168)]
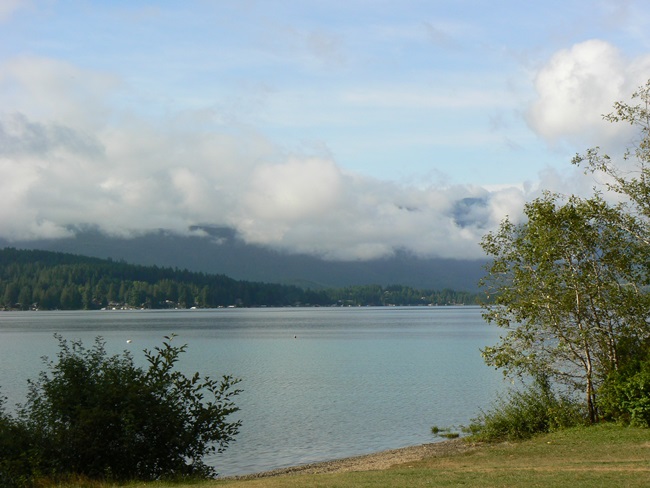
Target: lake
[(319, 383)]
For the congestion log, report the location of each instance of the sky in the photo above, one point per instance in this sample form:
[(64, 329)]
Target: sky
[(342, 129)]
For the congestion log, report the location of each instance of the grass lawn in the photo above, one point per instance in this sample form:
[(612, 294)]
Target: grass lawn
[(600, 456)]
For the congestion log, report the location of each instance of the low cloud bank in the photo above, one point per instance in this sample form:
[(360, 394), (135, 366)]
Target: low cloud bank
[(129, 182), (69, 159)]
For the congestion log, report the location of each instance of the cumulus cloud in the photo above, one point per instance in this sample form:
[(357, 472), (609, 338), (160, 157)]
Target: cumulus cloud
[(577, 86), (128, 182), (70, 159)]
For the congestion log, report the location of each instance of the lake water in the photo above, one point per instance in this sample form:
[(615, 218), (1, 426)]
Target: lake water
[(319, 383)]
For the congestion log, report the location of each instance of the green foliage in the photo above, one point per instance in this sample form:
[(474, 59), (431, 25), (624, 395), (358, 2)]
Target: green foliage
[(450, 435), (571, 283), (16, 452), (526, 412), (101, 417), (625, 395), (396, 295), (569, 290), (634, 185), (445, 432)]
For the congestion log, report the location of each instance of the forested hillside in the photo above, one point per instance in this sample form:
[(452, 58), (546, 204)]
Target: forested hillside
[(31, 279), (222, 252)]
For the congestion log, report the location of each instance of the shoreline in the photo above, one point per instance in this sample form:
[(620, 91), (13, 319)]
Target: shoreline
[(369, 462)]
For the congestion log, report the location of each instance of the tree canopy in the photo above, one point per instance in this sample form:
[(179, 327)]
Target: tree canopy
[(570, 283)]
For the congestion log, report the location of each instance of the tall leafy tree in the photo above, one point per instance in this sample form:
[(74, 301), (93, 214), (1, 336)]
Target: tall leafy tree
[(571, 283), (569, 290), (625, 395)]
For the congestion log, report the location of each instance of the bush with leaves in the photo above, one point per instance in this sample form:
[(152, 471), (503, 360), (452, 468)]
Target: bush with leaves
[(16, 452), (523, 413), (102, 417), (625, 395)]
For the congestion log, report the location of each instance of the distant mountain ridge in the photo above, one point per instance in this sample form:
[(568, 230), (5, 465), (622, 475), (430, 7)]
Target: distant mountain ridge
[(32, 279), (222, 253)]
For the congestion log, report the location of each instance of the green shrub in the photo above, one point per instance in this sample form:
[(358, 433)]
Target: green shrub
[(444, 432), (625, 396), (16, 452), (96, 416), (524, 413), (450, 435)]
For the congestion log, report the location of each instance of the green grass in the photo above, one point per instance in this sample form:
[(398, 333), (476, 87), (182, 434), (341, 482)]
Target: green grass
[(600, 456)]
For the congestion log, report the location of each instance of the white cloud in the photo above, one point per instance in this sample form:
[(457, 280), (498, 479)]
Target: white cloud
[(72, 157), (294, 190), (138, 178), (577, 87)]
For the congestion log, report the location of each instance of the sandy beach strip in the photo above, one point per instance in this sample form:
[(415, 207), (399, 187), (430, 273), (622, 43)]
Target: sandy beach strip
[(370, 462)]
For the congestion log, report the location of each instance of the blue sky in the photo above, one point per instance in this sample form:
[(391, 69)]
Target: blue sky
[(342, 129)]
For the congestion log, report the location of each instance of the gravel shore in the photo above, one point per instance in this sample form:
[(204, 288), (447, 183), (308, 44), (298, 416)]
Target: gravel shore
[(370, 462)]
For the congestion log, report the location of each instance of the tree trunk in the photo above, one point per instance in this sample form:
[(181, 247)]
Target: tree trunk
[(591, 401)]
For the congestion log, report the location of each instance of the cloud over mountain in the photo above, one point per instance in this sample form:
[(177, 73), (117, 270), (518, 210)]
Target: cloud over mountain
[(283, 130), (126, 182)]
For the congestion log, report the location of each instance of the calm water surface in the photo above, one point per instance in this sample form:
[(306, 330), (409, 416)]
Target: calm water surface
[(319, 383)]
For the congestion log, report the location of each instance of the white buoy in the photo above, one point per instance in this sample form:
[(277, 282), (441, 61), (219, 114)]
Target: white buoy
[(128, 341)]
